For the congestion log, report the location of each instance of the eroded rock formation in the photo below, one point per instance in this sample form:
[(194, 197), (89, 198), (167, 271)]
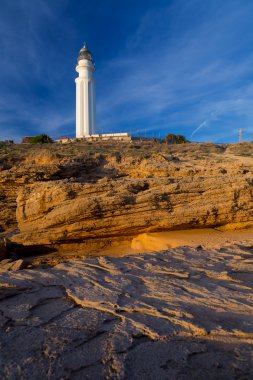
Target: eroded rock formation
[(179, 314), (75, 193), (128, 195)]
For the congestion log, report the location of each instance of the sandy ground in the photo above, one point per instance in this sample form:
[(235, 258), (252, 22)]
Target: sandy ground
[(147, 243), (208, 238)]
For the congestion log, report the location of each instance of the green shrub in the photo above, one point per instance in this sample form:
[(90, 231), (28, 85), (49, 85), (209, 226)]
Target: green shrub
[(175, 139), (40, 139)]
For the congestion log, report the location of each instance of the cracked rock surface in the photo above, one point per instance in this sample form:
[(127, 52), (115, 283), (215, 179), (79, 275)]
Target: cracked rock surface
[(180, 314)]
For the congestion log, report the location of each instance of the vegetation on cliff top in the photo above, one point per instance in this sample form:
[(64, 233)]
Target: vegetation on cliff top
[(175, 139), (40, 139)]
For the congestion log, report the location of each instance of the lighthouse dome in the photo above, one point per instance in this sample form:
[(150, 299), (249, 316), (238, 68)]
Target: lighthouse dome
[(84, 54)]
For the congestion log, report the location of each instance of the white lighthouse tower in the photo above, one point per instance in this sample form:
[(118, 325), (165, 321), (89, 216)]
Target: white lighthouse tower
[(85, 95)]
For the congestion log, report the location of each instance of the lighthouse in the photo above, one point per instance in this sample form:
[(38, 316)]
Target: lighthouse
[(85, 95)]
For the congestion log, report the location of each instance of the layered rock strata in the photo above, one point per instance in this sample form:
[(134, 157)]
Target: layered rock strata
[(22, 165), (154, 194), (84, 192)]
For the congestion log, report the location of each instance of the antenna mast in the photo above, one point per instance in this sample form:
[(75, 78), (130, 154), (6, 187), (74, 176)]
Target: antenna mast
[(240, 135)]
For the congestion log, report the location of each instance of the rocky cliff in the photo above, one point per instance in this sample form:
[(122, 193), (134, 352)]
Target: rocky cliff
[(123, 194), (71, 194), (183, 313)]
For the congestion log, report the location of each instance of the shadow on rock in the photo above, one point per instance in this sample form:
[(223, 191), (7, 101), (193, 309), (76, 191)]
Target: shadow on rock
[(12, 255)]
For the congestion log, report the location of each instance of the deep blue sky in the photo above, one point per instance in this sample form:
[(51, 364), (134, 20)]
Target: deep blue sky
[(180, 66)]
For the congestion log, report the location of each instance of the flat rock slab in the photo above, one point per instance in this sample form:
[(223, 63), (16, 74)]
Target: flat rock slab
[(180, 314), (11, 265)]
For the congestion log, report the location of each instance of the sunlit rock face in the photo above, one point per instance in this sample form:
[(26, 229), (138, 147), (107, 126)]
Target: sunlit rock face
[(132, 195), (109, 190), (179, 314)]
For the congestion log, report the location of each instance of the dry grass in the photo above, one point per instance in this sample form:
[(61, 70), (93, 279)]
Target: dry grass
[(17, 154)]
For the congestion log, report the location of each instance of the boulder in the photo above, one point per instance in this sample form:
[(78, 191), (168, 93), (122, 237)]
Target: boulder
[(80, 194), (57, 212), (10, 265)]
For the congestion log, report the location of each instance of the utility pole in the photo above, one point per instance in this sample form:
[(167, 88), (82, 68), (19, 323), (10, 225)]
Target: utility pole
[(240, 135)]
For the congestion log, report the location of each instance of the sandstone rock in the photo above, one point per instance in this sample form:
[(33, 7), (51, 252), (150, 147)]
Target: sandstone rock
[(6, 261), (10, 265), (57, 212), (17, 265), (84, 191), (29, 164), (178, 314)]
